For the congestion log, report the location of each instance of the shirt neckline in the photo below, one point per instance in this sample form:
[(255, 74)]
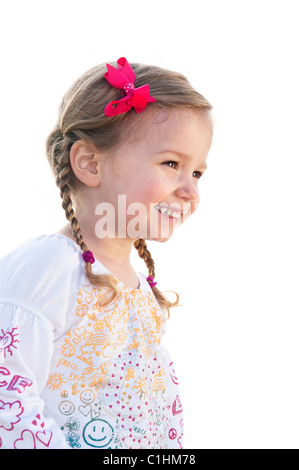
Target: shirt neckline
[(143, 285)]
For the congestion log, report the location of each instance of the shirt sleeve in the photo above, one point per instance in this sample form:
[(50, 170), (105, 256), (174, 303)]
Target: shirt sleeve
[(26, 349)]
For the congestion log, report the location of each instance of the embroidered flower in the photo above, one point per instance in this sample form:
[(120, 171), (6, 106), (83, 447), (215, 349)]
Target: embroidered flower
[(72, 440), (72, 424)]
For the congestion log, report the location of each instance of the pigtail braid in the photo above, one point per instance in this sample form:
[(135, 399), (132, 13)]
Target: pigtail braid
[(64, 175), (65, 194), (145, 254)]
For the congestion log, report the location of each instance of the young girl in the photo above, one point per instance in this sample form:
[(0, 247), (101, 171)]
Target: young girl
[(81, 360)]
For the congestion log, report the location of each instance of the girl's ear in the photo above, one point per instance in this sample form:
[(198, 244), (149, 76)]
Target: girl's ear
[(84, 160)]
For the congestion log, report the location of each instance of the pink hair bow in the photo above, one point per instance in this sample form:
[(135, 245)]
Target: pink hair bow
[(123, 78)]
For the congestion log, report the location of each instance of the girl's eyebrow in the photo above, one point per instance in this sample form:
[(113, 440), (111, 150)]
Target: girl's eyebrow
[(182, 155)]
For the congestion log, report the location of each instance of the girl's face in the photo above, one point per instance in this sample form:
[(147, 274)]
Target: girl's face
[(158, 167)]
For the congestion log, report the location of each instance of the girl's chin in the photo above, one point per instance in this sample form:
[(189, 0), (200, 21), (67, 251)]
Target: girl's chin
[(158, 230), (161, 238)]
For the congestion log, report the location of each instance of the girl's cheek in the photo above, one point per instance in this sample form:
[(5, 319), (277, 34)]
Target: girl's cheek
[(150, 193)]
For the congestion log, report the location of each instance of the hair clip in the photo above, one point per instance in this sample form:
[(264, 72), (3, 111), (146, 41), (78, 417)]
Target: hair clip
[(88, 257), (123, 78), (151, 282)]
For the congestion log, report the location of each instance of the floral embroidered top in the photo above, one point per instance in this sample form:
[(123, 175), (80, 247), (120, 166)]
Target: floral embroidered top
[(74, 374)]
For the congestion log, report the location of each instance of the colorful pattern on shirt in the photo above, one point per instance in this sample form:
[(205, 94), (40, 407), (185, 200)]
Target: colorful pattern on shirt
[(109, 386)]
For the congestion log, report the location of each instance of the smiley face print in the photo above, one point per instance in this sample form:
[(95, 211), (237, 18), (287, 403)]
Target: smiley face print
[(66, 408), (87, 396), (98, 433)]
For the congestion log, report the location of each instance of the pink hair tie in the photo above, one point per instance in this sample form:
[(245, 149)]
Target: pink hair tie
[(151, 282), (88, 257)]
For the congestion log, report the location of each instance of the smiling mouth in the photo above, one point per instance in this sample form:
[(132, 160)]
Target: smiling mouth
[(172, 213), (169, 213)]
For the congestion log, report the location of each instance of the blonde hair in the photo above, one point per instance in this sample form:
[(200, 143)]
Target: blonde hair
[(81, 117)]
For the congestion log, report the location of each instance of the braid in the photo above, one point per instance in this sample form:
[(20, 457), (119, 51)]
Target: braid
[(67, 204), (144, 253), (64, 175)]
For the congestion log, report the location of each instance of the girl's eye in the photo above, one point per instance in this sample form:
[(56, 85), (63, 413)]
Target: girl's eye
[(198, 174), (173, 164)]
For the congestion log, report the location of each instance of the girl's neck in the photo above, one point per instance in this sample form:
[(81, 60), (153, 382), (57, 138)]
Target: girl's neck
[(114, 254)]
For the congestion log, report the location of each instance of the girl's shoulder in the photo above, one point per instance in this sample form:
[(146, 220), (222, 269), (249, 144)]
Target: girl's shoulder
[(46, 255), (42, 274)]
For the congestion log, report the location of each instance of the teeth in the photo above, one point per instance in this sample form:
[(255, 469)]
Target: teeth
[(169, 212), (173, 214)]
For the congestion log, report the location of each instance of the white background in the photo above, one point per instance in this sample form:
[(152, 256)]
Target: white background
[(235, 264)]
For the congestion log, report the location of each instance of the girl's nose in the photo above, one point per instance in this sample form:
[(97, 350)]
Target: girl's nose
[(188, 190)]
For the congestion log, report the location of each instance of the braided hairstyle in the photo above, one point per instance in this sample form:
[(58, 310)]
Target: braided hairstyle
[(144, 254), (81, 117)]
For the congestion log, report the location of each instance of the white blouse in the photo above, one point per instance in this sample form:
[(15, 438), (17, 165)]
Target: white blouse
[(74, 374)]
